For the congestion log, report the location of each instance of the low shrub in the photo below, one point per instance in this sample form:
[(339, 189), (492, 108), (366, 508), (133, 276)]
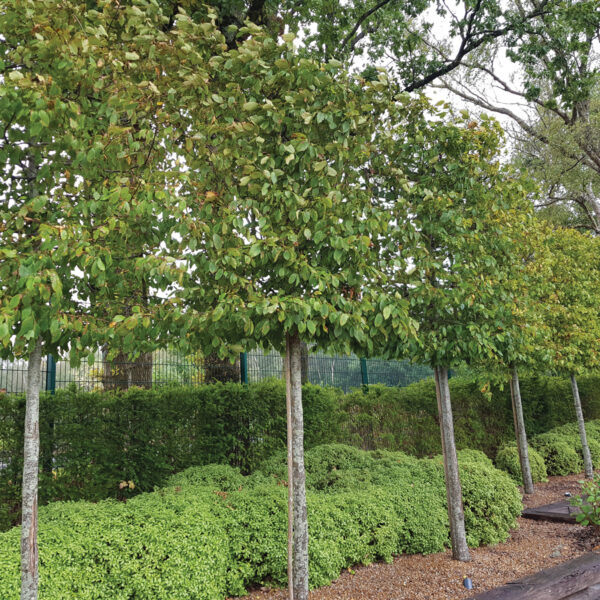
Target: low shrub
[(556, 452), (569, 434), (559, 452), (490, 509), (508, 460), (212, 532), (159, 546)]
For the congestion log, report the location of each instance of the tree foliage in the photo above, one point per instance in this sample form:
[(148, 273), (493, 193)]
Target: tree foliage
[(468, 216), (89, 198), (570, 303), (287, 222)]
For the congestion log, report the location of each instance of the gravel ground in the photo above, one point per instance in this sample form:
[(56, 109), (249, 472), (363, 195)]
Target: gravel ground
[(533, 546)]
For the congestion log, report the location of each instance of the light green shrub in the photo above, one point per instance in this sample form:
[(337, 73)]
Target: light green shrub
[(507, 460), (159, 546), (558, 452), (217, 477), (212, 532), (490, 508)]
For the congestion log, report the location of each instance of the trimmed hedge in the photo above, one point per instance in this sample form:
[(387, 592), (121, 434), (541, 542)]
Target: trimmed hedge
[(406, 418), (213, 532), (93, 441)]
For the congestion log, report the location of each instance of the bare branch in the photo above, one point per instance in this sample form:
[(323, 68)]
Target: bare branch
[(498, 110), (361, 20), (472, 41)]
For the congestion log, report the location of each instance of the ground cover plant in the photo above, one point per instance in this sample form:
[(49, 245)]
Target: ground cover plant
[(211, 532), (589, 502)]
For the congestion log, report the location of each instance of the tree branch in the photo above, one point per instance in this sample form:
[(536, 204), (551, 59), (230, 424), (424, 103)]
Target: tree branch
[(361, 20)]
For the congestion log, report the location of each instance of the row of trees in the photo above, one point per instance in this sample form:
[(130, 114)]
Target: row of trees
[(171, 178)]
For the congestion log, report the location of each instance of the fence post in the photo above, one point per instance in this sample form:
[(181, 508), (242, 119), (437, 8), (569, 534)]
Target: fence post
[(50, 374), (364, 371), (47, 447), (244, 367)]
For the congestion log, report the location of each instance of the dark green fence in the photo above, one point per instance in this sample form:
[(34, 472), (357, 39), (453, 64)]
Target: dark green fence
[(167, 367)]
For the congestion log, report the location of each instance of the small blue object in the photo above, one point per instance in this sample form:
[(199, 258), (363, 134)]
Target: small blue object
[(468, 583)]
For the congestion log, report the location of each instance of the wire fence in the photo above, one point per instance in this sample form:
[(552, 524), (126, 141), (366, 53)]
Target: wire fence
[(167, 367)]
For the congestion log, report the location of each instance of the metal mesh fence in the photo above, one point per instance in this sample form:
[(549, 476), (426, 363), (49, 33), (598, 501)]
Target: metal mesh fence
[(167, 367)]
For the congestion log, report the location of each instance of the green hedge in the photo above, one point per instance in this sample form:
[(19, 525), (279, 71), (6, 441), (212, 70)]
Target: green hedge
[(213, 532), (406, 418), (92, 441)]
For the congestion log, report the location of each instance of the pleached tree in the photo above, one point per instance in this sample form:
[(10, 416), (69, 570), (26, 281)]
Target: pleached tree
[(570, 304), (88, 194), (524, 341), (285, 223), (468, 216)]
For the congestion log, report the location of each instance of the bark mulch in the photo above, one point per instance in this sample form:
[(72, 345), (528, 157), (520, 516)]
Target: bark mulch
[(533, 546)]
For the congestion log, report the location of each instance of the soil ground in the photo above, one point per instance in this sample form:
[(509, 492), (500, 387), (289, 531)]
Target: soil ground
[(532, 546)]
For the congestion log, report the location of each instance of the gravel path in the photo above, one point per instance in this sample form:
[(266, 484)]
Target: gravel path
[(533, 546)]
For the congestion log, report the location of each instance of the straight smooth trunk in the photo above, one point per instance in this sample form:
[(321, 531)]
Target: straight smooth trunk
[(458, 537), (587, 457), (300, 554), (520, 434), (290, 454), (31, 453)]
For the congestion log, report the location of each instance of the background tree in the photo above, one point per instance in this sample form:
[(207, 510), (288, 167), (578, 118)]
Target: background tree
[(462, 208), (557, 163), (571, 312), (551, 98)]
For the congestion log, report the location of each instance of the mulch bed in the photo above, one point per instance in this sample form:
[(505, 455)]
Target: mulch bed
[(533, 546)]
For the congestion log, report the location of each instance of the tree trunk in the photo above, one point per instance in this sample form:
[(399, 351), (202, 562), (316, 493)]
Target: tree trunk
[(290, 458), (121, 373), (29, 522), (587, 457), (458, 537), (219, 369), (304, 363), (300, 524), (521, 435)]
